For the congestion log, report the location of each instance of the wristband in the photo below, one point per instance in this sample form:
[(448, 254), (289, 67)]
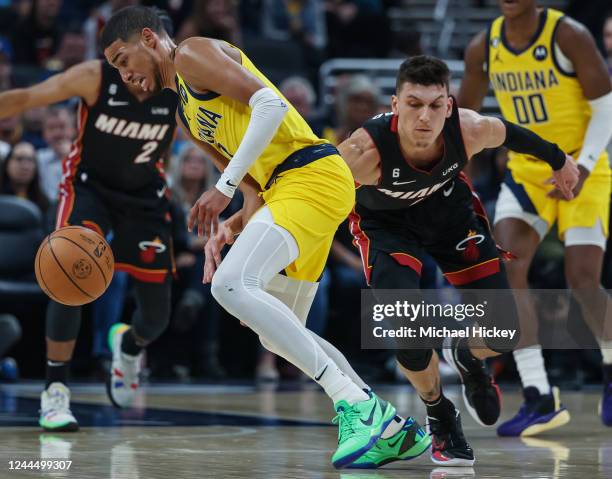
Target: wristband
[(226, 185)]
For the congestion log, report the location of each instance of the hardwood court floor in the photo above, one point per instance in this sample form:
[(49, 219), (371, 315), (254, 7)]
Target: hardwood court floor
[(242, 432)]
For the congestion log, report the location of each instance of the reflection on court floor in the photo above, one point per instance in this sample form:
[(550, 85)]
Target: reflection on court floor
[(242, 432)]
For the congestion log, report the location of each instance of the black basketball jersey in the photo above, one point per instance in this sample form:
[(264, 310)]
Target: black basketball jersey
[(401, 184), (122, 141)]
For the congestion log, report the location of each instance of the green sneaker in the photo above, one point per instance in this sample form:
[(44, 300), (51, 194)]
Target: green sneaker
[(359, 427), (410, 442)]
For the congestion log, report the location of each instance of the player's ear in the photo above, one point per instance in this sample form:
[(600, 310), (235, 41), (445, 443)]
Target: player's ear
[(148, 37), (449, 106), (394, 101)]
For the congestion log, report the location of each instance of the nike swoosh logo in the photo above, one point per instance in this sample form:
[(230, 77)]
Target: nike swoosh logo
[(161, 192), (113, 102), (401, 438), (229, 183), (370, 419), (322, 373), (397, 183), (449, 191)]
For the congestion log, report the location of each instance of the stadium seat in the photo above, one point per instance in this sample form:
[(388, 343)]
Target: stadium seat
[(21, 230)]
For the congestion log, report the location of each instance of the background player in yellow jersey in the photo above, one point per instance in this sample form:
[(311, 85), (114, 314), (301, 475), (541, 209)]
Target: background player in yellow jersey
[(232, 111), (549, 77)]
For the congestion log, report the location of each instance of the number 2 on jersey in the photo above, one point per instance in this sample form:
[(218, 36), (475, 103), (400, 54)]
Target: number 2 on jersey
[(530, 109), (147, 150)]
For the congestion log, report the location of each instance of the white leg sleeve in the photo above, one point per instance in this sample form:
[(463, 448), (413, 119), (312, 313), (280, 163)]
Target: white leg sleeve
[(298, 296), (260, 252)]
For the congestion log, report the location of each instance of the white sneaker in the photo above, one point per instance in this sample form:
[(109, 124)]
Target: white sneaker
[(124, 375), (55, 414)]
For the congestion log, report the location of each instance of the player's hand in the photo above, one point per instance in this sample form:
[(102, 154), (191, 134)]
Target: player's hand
[(212, 251), (583, 174), (205, 213), (565, 179)]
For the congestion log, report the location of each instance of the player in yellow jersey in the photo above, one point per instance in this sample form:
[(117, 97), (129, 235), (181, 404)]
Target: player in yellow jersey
[(260, 142), (549, 77)]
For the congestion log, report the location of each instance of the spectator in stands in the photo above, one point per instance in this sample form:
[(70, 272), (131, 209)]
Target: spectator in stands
[(33, 120), (11, 130), (607, 40), (70, 52), (300, 93), (19, 176), (357, 100), (58, 132), (196, 312), (96, 21), (36, 39), (6, 53), (214, 19), (302, 21), (358, 28)]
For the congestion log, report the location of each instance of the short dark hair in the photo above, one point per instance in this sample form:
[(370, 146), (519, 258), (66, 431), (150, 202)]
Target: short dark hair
[(423, 70), (129, 21)]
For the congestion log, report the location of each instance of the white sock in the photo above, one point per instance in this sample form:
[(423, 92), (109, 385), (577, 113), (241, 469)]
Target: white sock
[(394, 427), (530, 365), (339, 386), (606, 351)]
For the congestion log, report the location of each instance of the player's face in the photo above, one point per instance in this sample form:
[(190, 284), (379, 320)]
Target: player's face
[(515, 8), (136, 64), (421, 111)]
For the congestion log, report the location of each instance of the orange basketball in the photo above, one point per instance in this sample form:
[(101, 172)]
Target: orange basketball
[(74, 265)]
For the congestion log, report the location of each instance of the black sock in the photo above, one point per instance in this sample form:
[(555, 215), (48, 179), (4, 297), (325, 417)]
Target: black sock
[(128, 344), (441, 408), (607, 373), (57, 372)]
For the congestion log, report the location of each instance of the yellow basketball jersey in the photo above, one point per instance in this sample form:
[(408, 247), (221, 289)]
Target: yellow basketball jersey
[(221, 122), (534, 91)]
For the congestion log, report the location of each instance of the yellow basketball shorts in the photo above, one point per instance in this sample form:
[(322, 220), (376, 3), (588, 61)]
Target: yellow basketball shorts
[(528, 187), (310, 202)]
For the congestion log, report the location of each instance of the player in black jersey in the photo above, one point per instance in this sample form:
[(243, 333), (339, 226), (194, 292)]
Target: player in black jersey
[(113, 179), (413, 199)]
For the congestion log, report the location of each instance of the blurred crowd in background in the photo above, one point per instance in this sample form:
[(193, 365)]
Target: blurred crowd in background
[(289, 40)]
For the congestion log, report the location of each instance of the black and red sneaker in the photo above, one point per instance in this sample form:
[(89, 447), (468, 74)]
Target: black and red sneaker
[(481, 395), (448, 444)]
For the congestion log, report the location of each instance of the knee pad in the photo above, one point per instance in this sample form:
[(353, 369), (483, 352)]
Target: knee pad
[(414, 359)]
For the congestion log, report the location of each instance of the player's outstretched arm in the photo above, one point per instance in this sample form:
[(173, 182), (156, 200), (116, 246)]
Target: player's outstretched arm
[(362, 157), (578, 45), (82, 80), (475, 82), (205, 66), (480, 132)]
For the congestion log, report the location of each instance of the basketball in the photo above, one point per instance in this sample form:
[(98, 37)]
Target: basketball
[(74, 265)]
